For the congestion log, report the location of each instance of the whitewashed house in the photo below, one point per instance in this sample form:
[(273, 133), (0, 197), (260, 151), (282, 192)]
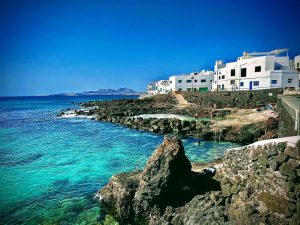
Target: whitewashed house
[(297, 63), (152, 88), (255, 71), (197, 81), (163, 86), (158, 87)]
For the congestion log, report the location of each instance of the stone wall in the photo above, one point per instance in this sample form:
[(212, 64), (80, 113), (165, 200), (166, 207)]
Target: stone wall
[(287, 118), (255, 184), (239, 99), (262, 182)]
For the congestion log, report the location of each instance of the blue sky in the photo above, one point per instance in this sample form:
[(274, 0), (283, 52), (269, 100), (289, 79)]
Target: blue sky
[(55, 46)]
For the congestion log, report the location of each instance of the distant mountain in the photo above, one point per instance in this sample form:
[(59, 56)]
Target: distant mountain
[(120, 91)]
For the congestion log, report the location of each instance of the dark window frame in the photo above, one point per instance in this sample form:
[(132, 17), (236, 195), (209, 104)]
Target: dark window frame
[(232, 72), (243, 72), (257, 69)]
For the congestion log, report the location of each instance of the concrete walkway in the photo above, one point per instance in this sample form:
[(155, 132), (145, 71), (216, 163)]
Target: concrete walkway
[(182, 103)]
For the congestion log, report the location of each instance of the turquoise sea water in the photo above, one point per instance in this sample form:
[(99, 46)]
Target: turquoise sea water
[(50, 168)]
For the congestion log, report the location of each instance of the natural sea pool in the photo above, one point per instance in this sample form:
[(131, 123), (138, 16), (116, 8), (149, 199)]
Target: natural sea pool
[(50, 168)]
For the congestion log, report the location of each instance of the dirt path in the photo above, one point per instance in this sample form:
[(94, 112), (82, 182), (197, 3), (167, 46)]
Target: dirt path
[(182, 103)]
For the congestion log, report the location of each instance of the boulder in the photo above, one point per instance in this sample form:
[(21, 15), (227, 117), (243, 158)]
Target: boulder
[(293, 152), (164, 178), (166, 182), (117, 195)]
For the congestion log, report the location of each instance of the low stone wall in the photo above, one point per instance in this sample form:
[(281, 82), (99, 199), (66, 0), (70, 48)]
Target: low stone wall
[(288, 116), (255, 184), (262, 182), (227, 99)]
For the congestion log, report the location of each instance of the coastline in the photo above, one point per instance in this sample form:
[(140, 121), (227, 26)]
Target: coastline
[(161, 114)]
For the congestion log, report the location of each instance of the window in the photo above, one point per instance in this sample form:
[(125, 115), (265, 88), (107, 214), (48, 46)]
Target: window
[(298, 65), (195, 81), (189, 81), (242, 84), (170, 82), (223, 77), (222, 87), (243, 72), (232, 82), (290, 80), (179, 89), (232, 72), (258, 69), (179, 81), (274, 82), (210, 81), (203, 80), (188, 89), (256, 83), (219, 77)]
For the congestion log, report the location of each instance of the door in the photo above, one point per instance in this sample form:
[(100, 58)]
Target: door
[(250, 85)]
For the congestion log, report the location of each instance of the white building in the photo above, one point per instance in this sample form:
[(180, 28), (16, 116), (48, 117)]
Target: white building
[(152, 88), (297, 62), (158, 87), (198, 81), (163, 86), (255, 71)]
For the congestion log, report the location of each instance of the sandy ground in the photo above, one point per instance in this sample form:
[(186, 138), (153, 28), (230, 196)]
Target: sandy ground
[(243, 117), (164, 116)]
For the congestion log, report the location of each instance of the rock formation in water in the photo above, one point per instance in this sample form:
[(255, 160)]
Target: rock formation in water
[(256, 184)]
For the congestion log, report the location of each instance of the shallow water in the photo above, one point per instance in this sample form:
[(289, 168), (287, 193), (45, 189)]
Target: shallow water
[(50, 168)]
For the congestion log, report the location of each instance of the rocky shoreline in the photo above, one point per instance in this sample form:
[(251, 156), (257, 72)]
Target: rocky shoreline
[(200, 122), (255, 184)]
